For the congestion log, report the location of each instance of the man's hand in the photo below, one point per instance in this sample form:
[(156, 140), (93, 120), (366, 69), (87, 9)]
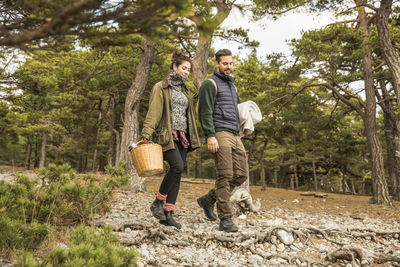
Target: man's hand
[(212, 144), (247, 132)]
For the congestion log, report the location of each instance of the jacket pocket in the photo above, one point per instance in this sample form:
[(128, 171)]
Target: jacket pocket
[(228, 115), (163, 137)]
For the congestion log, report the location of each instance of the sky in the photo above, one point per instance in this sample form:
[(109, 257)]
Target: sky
[(271, 34)]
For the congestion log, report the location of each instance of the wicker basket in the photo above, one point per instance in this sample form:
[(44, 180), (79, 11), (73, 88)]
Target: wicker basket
[(147, 159)]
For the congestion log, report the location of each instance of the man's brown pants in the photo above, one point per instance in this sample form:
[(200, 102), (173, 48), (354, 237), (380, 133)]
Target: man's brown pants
[(231, 165)]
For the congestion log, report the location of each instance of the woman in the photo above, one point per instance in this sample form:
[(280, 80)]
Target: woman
[(171, 118)]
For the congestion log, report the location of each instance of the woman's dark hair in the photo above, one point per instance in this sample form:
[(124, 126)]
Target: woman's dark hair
[(178, 58), (222, 53)]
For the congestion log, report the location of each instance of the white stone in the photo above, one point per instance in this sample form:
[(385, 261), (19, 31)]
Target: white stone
[(285, 237), (221, 263), (242, 216), (364, 263), (61, 245), (273, 239), (281, 247), (294, 248), (255, 259), (172, 262)]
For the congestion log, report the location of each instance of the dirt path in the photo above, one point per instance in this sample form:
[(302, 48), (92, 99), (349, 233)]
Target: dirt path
[(289, 230)]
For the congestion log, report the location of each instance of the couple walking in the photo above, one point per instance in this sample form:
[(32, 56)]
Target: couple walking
[(171, 117)]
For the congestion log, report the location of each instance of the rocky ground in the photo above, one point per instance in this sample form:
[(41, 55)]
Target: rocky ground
[(289, 230)]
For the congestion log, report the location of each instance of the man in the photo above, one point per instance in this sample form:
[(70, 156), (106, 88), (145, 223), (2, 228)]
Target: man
[(219, 118)]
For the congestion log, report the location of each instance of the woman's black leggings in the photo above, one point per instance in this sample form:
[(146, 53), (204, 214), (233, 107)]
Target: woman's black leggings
[(176, 159)]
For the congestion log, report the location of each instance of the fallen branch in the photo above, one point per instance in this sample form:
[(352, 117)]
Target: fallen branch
[(322, 232), (319, 195)]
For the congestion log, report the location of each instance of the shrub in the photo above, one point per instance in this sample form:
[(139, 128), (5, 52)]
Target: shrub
[(90, 247), (28, 207), (16, 234)]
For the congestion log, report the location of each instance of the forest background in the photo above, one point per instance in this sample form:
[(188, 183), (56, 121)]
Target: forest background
[(76, 78)]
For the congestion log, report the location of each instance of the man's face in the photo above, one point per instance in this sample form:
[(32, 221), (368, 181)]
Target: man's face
[(225, 65)]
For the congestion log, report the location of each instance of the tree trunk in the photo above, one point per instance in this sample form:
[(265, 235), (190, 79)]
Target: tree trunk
[(130, 130), (353, 188), (80, 165), (262, 176), (28, 153), (391, 55), (85, 157), (112, 144), (314, 173), (296, 178), (99, 119), (43, 150), (379, 186), (345, 185), (292, 182), (37, 158), (391, 155), (187, 168), (275, 179), (204, 42), (199, 167), (392, 135), (200, 60)]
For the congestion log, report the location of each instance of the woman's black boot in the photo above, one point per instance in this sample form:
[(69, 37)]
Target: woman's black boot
[(169, 221), (157, 209)]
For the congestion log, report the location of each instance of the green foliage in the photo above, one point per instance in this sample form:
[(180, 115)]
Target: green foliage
[(29, 205), (17, 234), (88, 247), (118, 175)]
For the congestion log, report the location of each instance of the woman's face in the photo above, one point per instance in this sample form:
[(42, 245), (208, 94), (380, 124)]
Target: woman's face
[(183, 69)]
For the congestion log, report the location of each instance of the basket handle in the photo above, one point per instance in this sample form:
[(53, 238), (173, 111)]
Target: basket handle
[(141, 142)]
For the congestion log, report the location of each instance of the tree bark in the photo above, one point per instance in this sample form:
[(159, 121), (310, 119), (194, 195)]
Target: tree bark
[(37, 157), (28, 153), (314, 173), (275, 179), (199, 167), (296, 178), (204, 41), (262, 176), (261, 162), (391, 55), (43, 150), (99, 121), (379, 185), (112, 145), (391, 156), (353, 188), (345, 185), (130, 130)]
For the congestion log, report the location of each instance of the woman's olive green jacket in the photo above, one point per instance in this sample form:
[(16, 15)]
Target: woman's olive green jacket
[(158, 120)]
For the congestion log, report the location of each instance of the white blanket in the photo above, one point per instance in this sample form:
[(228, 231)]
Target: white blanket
[(249, 115)]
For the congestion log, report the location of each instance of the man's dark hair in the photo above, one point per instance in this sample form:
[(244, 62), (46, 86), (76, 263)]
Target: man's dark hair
[(222, 53)]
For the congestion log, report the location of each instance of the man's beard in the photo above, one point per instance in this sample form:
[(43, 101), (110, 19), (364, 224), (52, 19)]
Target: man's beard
[(223, 72)]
